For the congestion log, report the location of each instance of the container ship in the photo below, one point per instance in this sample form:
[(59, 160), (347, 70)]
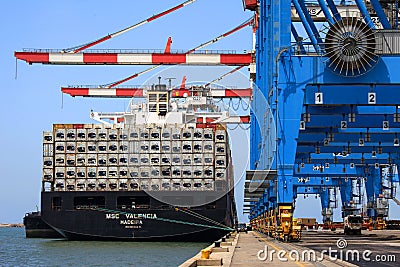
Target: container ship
[(161, 171)]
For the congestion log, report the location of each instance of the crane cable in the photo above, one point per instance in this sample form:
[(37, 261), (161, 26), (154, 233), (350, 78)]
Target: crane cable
[(80, 48), (248, 22)]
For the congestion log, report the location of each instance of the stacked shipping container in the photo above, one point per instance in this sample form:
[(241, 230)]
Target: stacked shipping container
[(93, 157)]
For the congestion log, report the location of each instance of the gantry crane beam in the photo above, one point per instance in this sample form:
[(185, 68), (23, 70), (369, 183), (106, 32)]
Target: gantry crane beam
[(133, 91), (107, 57)]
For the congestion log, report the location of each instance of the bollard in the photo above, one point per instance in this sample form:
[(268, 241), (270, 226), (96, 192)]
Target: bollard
[(205, 253), (217, 244)]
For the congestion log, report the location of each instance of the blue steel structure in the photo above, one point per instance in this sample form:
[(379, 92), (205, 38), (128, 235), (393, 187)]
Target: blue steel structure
[(334, 93)]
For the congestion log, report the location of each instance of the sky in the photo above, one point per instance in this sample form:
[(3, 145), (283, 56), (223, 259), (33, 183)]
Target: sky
[(31, 98)]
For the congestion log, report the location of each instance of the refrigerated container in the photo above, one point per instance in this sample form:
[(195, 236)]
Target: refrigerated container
[(48, 162), (91, 159), (81, 185), (70, 184), (70, 172), (70, 160), (81, 147), (187, 146), (48, 174), (91, 147), (208, 134), (113, 134), (102, 134), (123, 159), (102, 159), (101, 172), (155, 184), (81, 135), (70, 135), (81, 172), (220, 136), (187, 134), (60, 135), (165, 146), (91, 184), (48, 137), (176, 147), (112, 159), (198, 134), (59, 185), (59, 160), (112, 147), (123, 172), (155, 134), (60, 147), (81, 159)]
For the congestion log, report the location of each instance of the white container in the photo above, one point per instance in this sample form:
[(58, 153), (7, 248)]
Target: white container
[(208, 147), (198, 184), (187, 184), (113, 147), (60, 135), (133, 185), (133, 160), (187, 172), (47, 175), (112, 184), (133, 147), (80, 185), (166, 171), (176, 184), (155, 172), (102, 172), (198, 134), (81, 135), (70, 185), (48, 150), (123, 135), (144, 172), (102, 135), (60, 160), (91, 134), (176, 159), (123, 172), (176, 147), (166, 134), (70, 135), (144, 184), (220, 161), (91, 160), (102, 159), (112, 172), (187, 159), (123, 184), (155, 134), (144, 134), (155, 146), (166, 146), (197, 159), (197, 171), (155, 184), (81, 160), (208, 134), (133, 172), (81, 173), (220, 174), (123, 146), (91, 185), (102, 147), (144, 160), (48, 162), (176, 134), (81, 147), (102, 184), (91, 147), (155, 159), (166, 184), (165, 159), (220, 149), (123, 159), (208, 159), (71, 147), (133, 134), (187, 146), (197, 147), (60, 147), (59, 185), (220, 136), (48, 137), (91, 172), (187, 134), (113, 135), (144, 147), (70, 172), (71, 160), (176, 171), (113, 159), (208, 173), (208, 184)]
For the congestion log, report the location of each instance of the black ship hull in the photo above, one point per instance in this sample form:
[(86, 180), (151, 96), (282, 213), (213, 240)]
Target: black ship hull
[(35, 227), (113, 216)]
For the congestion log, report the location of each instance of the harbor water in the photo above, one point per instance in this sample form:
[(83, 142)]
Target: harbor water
[(16, 250)]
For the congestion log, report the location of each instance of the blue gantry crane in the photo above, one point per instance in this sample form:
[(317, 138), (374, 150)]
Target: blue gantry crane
[(328, 71)]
